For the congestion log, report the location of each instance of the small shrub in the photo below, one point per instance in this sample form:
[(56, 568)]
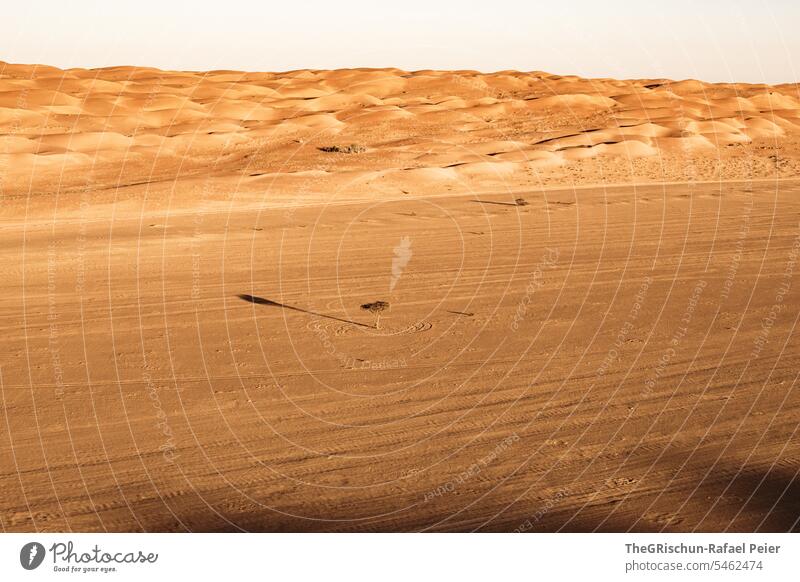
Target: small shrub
[(353, 148), (377, 308)]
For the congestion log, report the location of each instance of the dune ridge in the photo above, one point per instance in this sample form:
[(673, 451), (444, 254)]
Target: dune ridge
[(438, 129)]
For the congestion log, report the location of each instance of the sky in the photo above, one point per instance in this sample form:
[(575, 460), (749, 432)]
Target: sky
[(712, 40)]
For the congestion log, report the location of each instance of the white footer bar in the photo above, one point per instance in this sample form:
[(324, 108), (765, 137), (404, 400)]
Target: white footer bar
[(400, 557)]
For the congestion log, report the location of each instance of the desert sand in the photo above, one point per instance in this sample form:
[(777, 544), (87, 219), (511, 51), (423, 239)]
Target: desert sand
[(592, 287)]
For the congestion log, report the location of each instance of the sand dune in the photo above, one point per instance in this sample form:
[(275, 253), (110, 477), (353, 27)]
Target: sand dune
[(592, 286), (273, 123)]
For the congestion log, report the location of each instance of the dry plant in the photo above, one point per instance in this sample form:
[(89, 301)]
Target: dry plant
[(353, 148), (377, 308)]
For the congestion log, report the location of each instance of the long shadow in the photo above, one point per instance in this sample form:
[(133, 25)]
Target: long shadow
[(262, 301), (498, 203)]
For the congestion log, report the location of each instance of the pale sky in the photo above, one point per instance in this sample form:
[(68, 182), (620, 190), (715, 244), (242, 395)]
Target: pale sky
[(712, 40)]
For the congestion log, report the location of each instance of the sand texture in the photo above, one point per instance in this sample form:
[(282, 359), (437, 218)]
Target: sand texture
[(592, 290)]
